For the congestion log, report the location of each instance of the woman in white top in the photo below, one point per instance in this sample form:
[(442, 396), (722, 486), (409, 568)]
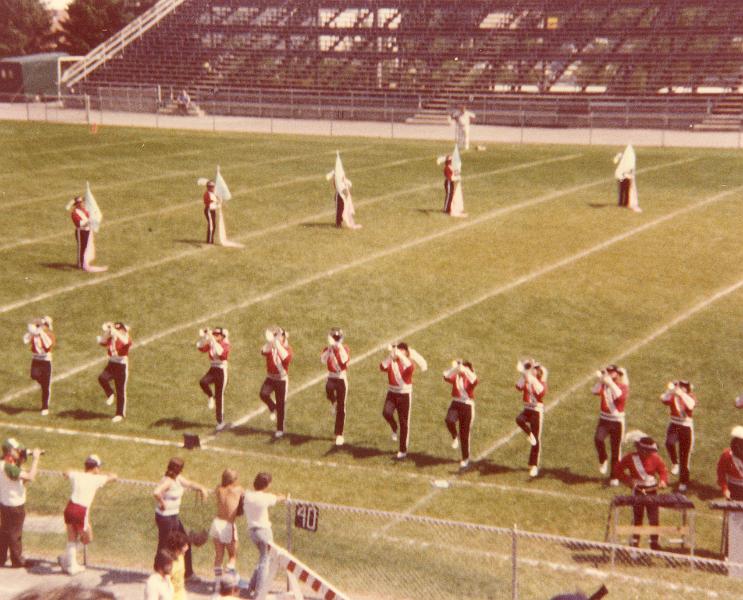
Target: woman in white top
[(168, 494), (159, 586)]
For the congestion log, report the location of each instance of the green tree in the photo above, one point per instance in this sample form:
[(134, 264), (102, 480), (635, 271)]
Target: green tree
[(25, 28), (90, 22)]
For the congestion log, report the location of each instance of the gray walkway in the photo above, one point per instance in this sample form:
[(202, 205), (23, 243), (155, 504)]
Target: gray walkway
[(481, 134)]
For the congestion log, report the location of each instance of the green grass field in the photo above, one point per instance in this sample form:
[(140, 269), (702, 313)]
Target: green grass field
[(544, 265)]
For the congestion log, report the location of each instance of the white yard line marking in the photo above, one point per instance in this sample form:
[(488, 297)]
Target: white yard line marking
[(250, 235)]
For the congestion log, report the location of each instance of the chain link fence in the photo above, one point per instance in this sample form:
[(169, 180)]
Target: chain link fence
[(321, 115)]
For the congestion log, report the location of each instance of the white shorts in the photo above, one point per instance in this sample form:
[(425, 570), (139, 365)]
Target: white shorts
[(223, 531)]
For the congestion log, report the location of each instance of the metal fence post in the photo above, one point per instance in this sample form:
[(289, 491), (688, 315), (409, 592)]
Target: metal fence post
[(289, 524), (514, 564), (87, 109)]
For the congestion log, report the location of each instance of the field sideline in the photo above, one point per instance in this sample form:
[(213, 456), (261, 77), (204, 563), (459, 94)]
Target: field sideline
[(544, 265)]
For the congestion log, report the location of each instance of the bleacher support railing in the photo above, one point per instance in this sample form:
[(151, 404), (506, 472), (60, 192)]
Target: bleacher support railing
[(117, 42)]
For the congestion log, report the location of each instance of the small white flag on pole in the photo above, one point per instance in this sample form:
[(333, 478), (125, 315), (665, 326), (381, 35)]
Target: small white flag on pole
[(221, 188), (94, 212)]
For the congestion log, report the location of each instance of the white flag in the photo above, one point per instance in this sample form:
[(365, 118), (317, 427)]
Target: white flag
[(456, 160), (626, 164), (94, 212), (220, 186), (339, 175)]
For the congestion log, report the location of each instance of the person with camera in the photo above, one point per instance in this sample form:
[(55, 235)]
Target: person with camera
[(85, 484), (730, 467), (278, 354), (613, 389), (336, 356), (463, 380), (532, 384), (399, 367), (117, 340), (682, 401), (216, 343), (644, 471), (13, 481), (168, 494), (41, 340)]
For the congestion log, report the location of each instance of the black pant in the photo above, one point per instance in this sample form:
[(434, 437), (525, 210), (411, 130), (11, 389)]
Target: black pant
[(448, 195), (278, 387), (684, 437), (465, 414), (211, 224), (339, 206), (218, 377), (164, 526), (653, 514), (531, 422), (336, 390), (615, 431), (81, 237), (11, 530), (400, 403), (624, 192), (119, 372), (41, 371)]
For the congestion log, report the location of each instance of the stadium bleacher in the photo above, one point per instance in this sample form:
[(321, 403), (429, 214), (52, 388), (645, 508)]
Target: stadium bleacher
[(431, 56)]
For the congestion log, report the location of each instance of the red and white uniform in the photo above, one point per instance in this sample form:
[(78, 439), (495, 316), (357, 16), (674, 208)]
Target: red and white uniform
[(399, 374), (41, 344), (211, 200), (463, 384), (219, 352), (80, 217), (612, 400), (681, 405), (644, 472), (117, 346), (278, 358), (532, 394), (730, 474), (336, 358)]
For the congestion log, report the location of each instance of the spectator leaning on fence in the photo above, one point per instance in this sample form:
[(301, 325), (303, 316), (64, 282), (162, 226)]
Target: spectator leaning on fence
[(168, 493), (223, 529), (77, 512), (13, 480), (256, 505)]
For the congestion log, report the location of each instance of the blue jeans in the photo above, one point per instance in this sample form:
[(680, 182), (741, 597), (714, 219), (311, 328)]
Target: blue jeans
[(261, 537), (164, 526)]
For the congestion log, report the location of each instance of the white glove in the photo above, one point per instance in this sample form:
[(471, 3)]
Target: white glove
[(520, 367), (599, 374), (27, 338), (671, 386), (269, 335)]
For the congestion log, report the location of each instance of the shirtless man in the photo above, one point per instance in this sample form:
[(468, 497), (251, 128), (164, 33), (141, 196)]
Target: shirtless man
[(223, 530)]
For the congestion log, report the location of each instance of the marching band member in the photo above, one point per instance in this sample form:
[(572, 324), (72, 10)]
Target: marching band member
[(463, 380), (730, 467), (399, 367), (681, 400), (278, 354), (117, 340), (215, 342), (81, 220), (647, 473), (613, 389), (85, 484), (41, 341), (335, 356), (532, 384), (211, 205)]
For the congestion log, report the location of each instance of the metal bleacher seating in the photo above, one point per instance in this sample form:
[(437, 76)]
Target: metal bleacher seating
[(571, 57)]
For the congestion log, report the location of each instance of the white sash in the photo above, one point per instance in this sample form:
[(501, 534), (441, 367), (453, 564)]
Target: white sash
[(646, 480)]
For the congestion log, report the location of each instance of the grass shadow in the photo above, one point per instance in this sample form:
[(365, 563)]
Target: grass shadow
[(60, 266), (488, 467), (190, 242), (15, 410), (567, 476), (321, 225), (355, 451), (430, 211), (177, 424), (80, 414), (109, 578), (599, 204)]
